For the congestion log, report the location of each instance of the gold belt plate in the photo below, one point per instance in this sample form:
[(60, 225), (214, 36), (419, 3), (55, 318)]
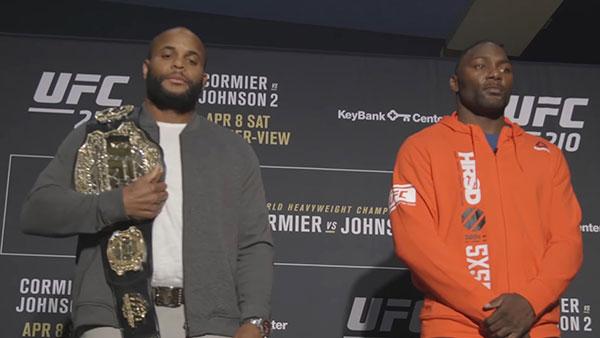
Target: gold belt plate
[(134, 308), (126, 250)]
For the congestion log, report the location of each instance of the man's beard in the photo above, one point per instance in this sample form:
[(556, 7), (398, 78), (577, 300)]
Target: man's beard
[(163, 100), (479, 105)]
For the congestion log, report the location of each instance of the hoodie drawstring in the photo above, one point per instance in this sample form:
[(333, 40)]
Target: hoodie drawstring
[(453, 123), (513, 137), (472, 134), (514, 141)]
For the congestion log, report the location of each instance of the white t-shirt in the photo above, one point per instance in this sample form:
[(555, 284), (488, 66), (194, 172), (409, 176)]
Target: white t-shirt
[(167, 229)]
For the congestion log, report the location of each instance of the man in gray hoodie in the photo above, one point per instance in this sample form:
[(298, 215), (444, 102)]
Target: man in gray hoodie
[(211, 244)]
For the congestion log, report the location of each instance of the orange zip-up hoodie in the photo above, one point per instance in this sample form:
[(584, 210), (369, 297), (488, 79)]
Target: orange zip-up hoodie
[(472, 224)]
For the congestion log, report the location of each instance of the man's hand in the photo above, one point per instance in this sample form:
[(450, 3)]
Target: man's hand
[(513, 317), (247, 331), (145, 197)]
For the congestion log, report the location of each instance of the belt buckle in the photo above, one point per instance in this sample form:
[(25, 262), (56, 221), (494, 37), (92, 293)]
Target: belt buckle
[(168, 296)]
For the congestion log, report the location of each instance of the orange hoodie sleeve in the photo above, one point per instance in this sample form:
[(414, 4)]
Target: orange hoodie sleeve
[(564, 249), (442, 271)]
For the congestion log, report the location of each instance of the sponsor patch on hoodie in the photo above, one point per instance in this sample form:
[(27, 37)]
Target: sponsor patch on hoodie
[(478, 263), (541, 146), (402, 194), (469, 175)]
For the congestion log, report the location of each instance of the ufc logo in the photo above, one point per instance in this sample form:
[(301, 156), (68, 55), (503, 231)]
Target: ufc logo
[(385, 315), (70, 88), (66, 89), (402, 193), (544, 107)]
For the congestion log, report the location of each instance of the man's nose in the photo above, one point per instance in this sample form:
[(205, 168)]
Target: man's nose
[(177, 63), (493, 73)]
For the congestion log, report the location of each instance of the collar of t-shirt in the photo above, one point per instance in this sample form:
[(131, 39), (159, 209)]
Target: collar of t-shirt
[(179, 126), (492, 140)]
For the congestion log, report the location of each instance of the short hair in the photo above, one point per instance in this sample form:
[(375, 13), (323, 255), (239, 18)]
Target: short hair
[(153, 43), (472, 46)]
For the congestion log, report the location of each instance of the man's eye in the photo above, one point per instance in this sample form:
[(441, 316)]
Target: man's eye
[(479, 66)]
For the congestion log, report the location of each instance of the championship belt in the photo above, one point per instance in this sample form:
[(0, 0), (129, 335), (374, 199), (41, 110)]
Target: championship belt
[(115, 153)]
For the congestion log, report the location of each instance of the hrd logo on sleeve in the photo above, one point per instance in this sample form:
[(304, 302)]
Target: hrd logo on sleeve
[(470, 180), (402, 194), (60, 93), (544, 111), (383, 317)]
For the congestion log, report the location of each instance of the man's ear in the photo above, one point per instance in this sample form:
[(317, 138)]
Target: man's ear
[(145, 68), (453, 83)]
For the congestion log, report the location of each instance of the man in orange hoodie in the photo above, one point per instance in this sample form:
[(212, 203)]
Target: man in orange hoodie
[(484, 214)]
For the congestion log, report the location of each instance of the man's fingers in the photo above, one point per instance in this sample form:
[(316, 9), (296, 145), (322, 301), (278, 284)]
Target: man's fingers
[(143, 215), (159, 199), (162, 197), (494, 303), (152, 207), (498, 326), (510, 319), (156, 197), (145, 197), (152, 212), (159, 187), (501, 332), (497, 315), (148, 215), (146, 193), (154, 175)]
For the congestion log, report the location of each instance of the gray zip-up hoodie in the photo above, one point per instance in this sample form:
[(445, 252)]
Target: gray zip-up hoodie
[(227, 242)]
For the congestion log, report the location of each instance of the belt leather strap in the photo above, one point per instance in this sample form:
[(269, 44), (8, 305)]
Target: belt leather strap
[(133, 282)]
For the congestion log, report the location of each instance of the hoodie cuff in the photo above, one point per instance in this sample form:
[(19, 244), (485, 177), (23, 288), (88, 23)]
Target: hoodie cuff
[(255, 311), (538, 296), (111, 207)]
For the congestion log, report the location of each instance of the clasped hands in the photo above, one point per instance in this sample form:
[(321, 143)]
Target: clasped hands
[(513, 317)]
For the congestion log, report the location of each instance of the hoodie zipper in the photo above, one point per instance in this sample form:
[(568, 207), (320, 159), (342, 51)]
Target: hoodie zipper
[(505, 228)]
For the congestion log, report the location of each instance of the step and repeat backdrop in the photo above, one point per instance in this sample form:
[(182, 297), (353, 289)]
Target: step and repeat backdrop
[(326, 128)]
